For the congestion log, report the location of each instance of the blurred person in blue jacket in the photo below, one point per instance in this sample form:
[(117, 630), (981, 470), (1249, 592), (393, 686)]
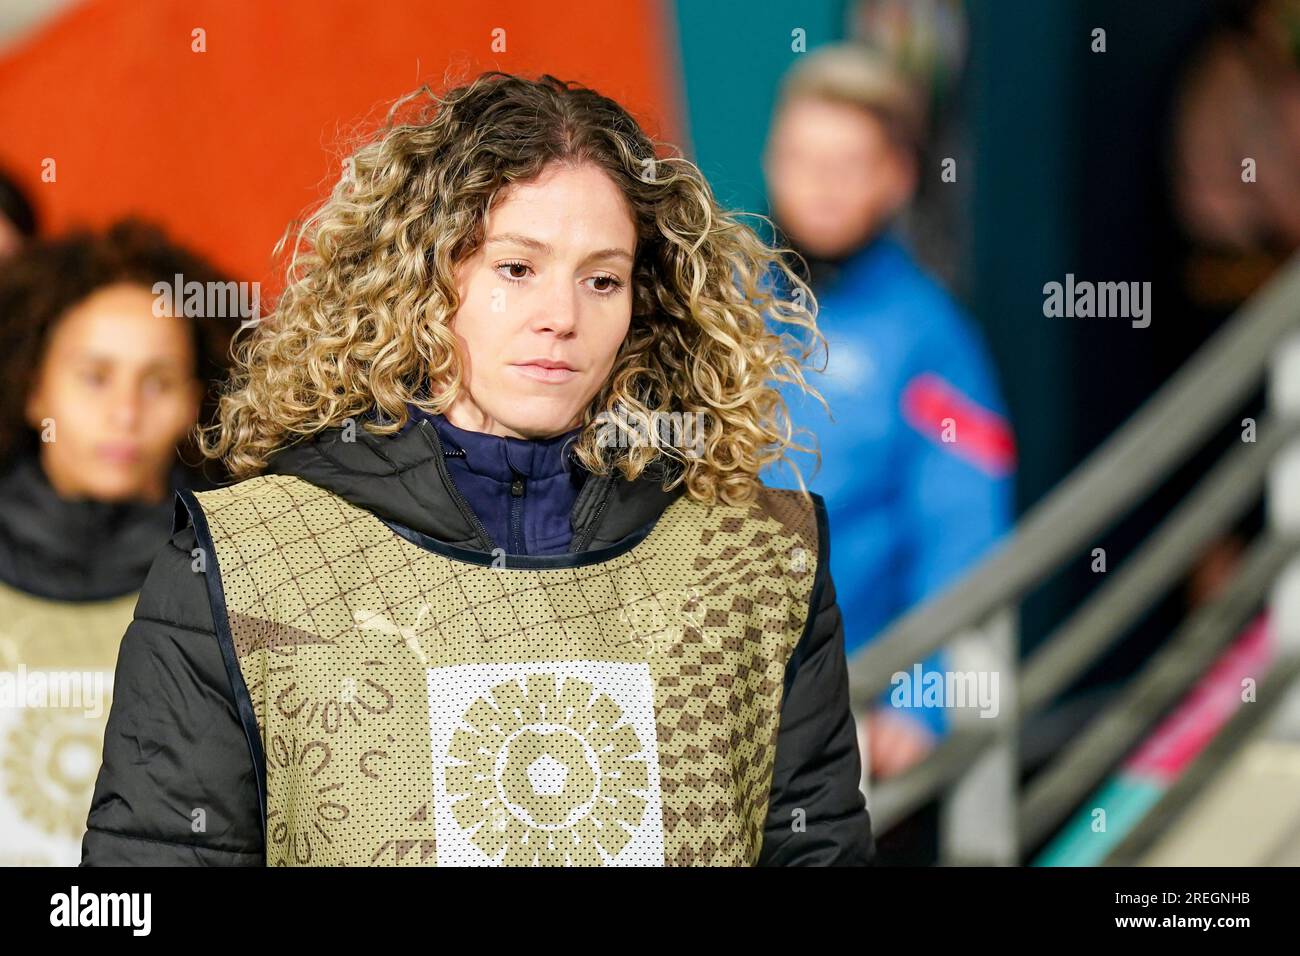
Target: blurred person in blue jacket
[(917, 460)]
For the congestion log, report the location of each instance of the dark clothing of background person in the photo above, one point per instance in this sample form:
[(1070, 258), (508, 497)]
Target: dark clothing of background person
[(70, 572), (70, 550)]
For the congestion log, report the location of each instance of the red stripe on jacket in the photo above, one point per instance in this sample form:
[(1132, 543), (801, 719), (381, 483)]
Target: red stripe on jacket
[(982, 437)]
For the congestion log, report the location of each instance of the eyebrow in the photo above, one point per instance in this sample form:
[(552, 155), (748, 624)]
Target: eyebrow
[(158, 364), (515, 238)]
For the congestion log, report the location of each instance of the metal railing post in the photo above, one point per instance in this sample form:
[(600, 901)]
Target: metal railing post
[(977, 819), (1283, 496)]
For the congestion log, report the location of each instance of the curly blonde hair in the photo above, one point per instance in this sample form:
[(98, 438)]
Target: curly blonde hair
[(364, 325)]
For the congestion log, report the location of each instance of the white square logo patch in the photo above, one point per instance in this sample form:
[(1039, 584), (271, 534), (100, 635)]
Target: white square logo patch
[(550, 763)]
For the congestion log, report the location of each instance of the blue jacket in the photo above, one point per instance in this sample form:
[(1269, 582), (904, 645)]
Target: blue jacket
[(917, 464)]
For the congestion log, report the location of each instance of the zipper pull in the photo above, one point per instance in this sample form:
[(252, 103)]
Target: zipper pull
[(517, 488)]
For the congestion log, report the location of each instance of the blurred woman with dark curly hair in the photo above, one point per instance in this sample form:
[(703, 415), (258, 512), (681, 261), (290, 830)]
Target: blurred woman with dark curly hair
[(501, 584), (101, 391)]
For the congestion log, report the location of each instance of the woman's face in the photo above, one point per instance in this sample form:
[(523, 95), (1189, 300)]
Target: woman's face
[(551, 283), (115, 393), (833, 177)]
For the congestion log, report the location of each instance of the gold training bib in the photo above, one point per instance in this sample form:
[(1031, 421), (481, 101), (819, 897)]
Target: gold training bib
[(56, 682), (415, 705)]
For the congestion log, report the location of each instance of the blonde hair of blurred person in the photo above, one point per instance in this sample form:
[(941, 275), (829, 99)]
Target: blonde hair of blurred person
[(841, 157)]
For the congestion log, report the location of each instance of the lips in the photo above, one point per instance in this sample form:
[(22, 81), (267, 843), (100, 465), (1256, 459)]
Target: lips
[(551, 371), (119, 453), (546, 363), (542, 373)]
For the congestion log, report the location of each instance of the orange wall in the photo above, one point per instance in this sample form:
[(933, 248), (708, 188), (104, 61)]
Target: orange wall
[(226, 147)]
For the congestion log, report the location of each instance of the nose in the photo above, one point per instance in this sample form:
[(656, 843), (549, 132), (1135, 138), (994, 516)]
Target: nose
[(557, 310), (126, 406)]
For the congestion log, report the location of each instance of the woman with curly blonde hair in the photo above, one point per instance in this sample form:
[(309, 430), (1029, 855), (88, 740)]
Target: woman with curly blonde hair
[(501, 585)]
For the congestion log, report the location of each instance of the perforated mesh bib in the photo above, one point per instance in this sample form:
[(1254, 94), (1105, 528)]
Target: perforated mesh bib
[(417, 705), (56, 688)]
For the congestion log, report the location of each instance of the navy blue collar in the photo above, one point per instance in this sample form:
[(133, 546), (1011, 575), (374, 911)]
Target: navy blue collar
[(502, 458)]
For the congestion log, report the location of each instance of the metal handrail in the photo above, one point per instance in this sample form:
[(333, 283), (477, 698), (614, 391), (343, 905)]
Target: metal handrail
[(1225, 494), (1158, 686), (1225, 746), (893, 799), (1119, 473), (1169, 675)]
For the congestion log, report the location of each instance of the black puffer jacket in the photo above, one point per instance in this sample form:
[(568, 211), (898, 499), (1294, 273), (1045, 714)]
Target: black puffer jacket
[(175, 743), (75, 550)]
